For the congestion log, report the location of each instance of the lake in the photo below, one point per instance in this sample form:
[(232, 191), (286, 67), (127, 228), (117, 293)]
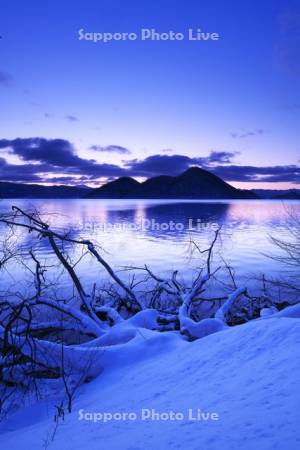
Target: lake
[(159, 233)]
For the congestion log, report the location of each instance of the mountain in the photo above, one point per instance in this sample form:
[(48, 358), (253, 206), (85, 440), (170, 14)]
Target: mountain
[(194, 183), (19, 190), (120, 188)]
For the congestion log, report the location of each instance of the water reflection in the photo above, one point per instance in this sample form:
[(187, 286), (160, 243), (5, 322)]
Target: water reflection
[(247, 226)]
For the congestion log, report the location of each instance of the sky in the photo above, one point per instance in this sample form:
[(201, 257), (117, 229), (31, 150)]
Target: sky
[(82, 112)]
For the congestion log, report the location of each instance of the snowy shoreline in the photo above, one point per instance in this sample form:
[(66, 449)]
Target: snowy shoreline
[(249, 374)]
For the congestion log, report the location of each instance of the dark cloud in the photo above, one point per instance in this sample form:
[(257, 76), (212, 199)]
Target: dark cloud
[(56, 161), (160, 165), (55, 156), (71, 118), (6, 79), (175, 164), (290, 173), (58, 152), (251, 133), (111, 149), (215, 163), (34, 173), (26, 173), (221, 157)]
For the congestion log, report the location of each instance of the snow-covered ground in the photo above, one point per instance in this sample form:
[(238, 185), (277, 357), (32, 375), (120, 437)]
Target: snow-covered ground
[(248, 375)]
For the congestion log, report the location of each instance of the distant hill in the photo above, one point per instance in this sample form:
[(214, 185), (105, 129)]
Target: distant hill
[(292, 195), (194, 183), (288, 194), (19, 190)]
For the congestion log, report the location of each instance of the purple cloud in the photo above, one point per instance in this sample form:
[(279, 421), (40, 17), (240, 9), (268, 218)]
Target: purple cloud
[(56, 159), (71, 118), (111, 149)]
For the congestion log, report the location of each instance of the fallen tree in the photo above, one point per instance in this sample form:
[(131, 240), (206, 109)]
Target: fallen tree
[(56, 337)]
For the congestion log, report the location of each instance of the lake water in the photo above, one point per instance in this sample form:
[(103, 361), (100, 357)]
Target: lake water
[(158, 233)]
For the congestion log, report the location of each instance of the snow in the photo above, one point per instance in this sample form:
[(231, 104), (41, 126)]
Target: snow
[(290, 311), (248, 375), (145, 319), (266, 312), (202, 328)]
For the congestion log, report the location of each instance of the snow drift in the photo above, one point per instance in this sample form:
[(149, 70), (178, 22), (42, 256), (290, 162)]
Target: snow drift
[(249, 375)]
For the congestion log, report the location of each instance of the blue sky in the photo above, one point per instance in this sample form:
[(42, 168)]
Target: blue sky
[(170, 104)]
